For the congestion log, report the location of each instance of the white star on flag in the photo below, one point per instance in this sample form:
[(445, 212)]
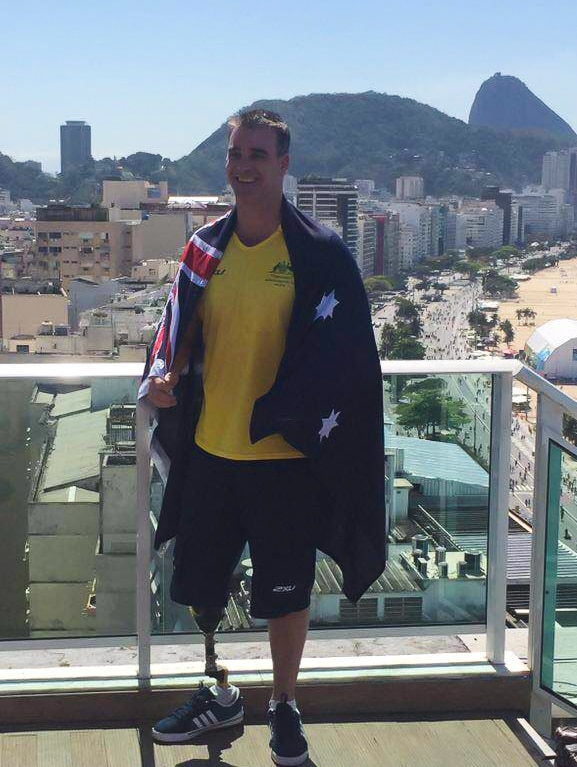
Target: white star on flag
[(328, 424), (326, 307)]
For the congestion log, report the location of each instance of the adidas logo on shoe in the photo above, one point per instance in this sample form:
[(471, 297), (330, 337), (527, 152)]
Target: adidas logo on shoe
[(201, 713)]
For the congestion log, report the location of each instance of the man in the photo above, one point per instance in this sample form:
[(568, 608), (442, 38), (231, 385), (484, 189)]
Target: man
[(267, 379)]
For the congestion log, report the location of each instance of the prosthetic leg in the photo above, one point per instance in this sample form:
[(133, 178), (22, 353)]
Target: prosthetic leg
[(208, 619)]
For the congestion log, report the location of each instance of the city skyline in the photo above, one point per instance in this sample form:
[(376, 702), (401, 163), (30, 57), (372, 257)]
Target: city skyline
[(123, 79)]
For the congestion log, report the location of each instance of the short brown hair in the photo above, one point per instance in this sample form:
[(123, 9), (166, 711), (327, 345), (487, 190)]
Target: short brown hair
[(254, 118)]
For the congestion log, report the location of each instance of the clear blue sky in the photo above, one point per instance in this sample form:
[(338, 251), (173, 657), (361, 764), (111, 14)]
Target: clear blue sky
[(161, 76)]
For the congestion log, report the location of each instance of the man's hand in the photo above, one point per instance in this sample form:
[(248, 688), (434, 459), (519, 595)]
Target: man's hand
[(160, 390)]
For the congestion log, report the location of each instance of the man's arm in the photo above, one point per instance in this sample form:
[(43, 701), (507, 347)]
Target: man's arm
[(160, 389)]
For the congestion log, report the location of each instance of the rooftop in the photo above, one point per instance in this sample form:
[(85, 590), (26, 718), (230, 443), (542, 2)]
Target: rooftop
[(438, 460), (71, 402), (75, 451)]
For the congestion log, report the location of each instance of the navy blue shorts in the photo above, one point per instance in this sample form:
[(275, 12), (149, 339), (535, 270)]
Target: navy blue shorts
[(272, 505)]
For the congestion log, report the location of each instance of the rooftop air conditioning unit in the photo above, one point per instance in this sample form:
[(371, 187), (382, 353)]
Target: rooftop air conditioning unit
[(422, 566), (443, 569), (440, 554), (473, 560), (417, 554), (421, 542)]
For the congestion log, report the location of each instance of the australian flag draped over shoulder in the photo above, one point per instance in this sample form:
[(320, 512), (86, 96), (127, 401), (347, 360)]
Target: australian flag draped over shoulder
[(326, 400)]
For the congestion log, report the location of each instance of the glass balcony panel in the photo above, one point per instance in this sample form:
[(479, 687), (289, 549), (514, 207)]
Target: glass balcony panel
[(437, 458), (559, 642), (67, 508)]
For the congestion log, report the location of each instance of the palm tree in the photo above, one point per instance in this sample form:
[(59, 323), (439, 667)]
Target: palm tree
[(507, 329)]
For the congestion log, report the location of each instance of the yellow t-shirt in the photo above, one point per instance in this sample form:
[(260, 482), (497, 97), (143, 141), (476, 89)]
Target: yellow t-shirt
[(245, 313)]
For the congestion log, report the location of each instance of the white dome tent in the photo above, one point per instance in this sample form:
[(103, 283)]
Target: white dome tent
[(552, 349)]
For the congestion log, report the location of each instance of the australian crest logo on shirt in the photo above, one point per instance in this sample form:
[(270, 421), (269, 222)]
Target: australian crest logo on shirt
[(281, 274)]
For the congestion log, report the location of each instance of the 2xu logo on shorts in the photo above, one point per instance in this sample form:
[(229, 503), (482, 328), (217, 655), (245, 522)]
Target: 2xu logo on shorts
[(284, 588)]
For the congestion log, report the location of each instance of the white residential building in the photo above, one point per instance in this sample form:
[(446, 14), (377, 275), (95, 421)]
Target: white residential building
[(6, 204), (367, 245), (366, 187), (545, 214), (559, 170), (418, 219), (406, 248), (410, 188), (478, 224)]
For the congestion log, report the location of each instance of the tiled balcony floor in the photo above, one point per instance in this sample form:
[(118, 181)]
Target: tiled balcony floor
[(434, 742)]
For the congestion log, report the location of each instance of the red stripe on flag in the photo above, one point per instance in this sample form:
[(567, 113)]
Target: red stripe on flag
[(199, 262), (158, 341)]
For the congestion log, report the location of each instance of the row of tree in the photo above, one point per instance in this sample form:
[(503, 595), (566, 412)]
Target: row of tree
[(484, 324), (427, 408), (400, 341)]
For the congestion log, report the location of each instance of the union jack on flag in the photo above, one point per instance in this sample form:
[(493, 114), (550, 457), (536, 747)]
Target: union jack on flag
[(198, 263)]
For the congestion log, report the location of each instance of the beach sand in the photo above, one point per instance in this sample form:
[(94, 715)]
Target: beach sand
[(536, 294)]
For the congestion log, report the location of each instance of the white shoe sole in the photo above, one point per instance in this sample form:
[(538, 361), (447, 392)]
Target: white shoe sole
[(180, 737), (289, 761)]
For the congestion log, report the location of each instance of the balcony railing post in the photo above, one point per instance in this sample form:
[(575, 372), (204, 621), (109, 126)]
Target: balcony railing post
[(498, 516), (549, 418), (143, 543)]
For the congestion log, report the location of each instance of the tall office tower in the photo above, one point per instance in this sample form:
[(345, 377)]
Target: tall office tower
[(410, 188), (504, 201), (75, 148), (331, 200)]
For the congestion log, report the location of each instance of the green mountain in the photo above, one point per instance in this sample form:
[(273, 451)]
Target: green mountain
[(346, 135), (506, 103), (374, 135), (25, 179)]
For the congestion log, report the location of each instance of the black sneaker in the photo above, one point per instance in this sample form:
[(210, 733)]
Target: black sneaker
[(287, 742), (201, 713)]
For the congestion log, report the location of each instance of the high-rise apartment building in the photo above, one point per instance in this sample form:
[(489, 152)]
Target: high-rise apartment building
[(366, 188), (517, 234), (546, 214), (476, 224), (387, 235), (410, 188), (75, 145), (367, 244), (417, 218), (332, 200), (559, 170), (504, 201)]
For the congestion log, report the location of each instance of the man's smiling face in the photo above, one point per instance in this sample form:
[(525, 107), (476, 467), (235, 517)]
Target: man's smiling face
[(253, 167)]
